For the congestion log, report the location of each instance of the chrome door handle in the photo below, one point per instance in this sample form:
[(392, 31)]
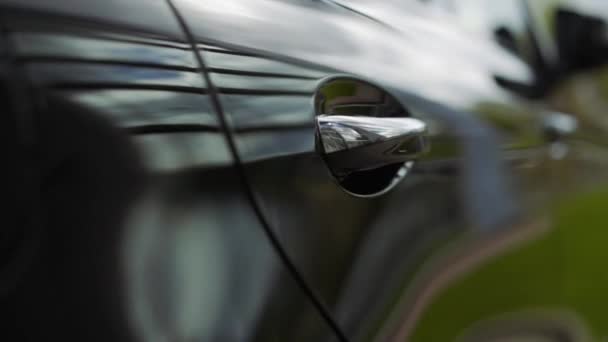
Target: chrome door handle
[(356, 143)]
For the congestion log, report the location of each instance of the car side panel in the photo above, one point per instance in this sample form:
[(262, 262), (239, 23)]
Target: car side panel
[(148, 234), (364, 256)]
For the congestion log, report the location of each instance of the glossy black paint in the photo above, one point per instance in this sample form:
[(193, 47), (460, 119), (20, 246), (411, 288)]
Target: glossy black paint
[(339, 242), (172, 249), (157, 230), (342, 244)]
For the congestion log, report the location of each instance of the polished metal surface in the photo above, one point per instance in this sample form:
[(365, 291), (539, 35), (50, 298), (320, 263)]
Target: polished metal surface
[(341, 133), (367, 138), (361, 151)]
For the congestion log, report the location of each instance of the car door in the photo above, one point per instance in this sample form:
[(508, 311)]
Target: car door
[(377, 258), (143, 231)]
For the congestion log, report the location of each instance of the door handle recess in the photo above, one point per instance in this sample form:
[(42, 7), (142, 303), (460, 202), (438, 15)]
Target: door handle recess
[(358, 143)]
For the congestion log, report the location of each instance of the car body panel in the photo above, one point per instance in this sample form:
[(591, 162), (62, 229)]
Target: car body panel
[(186, 256), (365, 255), (481, 236)]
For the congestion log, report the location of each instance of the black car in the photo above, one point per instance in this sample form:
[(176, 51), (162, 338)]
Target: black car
[(292, 170)]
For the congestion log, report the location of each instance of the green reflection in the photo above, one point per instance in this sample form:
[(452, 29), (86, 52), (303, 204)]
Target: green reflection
[(562, 270), (518, 125)]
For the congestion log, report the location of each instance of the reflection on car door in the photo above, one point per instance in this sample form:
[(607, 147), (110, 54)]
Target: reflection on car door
[(359, 254), (148, 234)]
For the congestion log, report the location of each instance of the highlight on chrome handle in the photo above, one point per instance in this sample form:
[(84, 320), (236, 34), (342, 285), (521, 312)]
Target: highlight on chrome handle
[(341, 132), (368, 140)]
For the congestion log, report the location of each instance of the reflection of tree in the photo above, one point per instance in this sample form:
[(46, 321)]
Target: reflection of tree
[(576, 80), (586, 96), (579, 41)]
